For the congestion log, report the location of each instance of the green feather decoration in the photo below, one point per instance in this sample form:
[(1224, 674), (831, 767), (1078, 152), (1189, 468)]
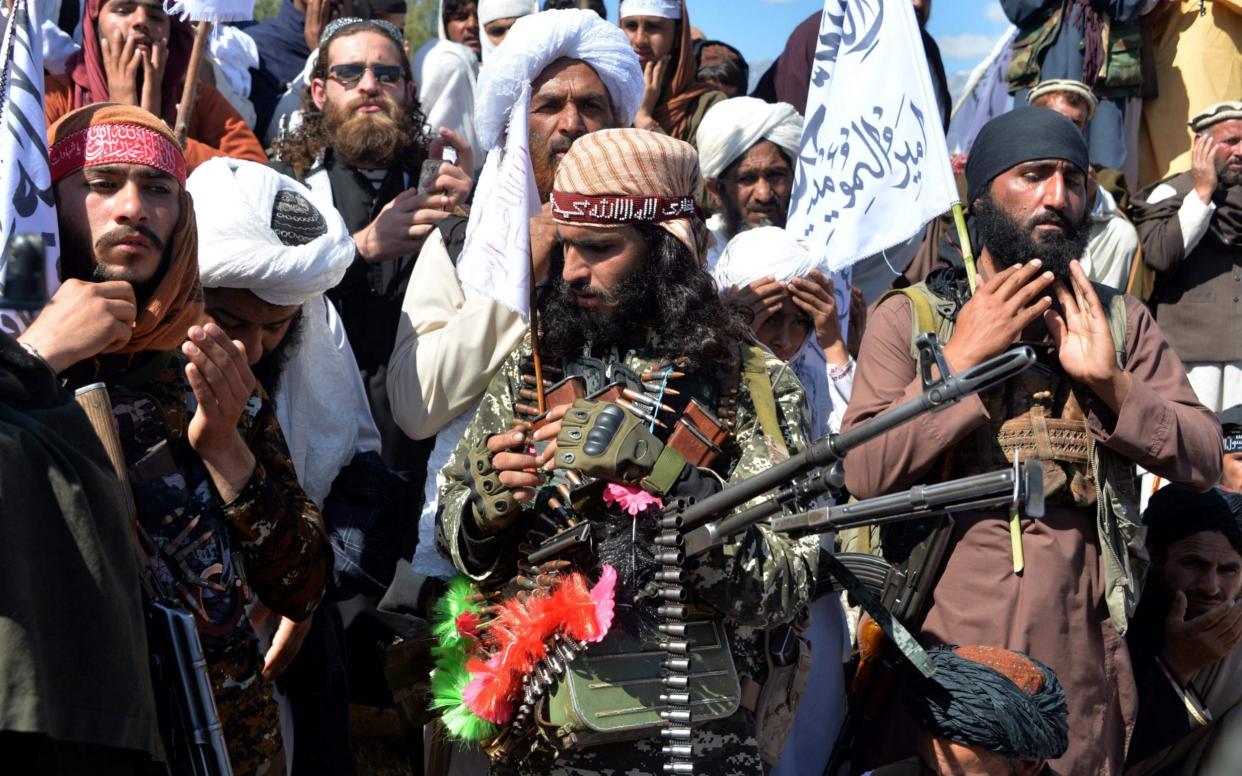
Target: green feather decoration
[(450, 677)]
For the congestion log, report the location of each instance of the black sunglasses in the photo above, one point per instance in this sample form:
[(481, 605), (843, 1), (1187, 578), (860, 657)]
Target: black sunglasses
[(349, 75)]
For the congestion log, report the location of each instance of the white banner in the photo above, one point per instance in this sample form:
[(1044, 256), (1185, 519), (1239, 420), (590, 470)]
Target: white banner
[(873, 167), (25, 178), (495, 260), (985, 97)]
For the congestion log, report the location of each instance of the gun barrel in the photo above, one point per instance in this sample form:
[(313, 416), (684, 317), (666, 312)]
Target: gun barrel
[(833, 447)]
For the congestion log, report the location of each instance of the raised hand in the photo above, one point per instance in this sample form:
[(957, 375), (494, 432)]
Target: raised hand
[(757, 301), (121, 61), (1192, 645), (1203, 166), (1083, 339), (813, 295), (153, 64), (653, 84), (83, 320), (222, 383), (994, 317)]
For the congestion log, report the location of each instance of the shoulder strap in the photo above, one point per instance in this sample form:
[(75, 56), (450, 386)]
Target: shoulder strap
[(1114, 302), (926, 313), (755, 371)]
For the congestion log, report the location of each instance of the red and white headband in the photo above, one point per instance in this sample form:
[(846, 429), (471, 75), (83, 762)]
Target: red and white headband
[(102, 144), (621, 209)]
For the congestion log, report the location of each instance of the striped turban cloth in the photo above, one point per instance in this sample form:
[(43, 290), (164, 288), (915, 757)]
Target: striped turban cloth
[(615, 177)]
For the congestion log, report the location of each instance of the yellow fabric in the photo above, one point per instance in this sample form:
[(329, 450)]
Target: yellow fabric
[(1197, 64)]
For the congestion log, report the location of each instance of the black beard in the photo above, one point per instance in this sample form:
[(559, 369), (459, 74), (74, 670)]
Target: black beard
[(269, 368), (1012, 243), (566, 326), (77, 261)]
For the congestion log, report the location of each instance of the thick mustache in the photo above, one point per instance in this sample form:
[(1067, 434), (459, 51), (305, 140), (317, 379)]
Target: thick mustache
[(585, 289), (123, 233), (1050, 218)]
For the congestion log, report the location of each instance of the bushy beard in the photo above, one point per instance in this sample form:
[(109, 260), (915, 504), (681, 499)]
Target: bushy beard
[(373, 140), (269, 369), (566, 326), (1227, 178), (1010, 242)]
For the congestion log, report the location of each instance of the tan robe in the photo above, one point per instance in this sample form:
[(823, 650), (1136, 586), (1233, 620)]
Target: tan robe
[(1055, 610)]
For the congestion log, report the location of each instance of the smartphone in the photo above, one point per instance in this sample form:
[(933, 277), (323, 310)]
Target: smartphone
[(427, 175)]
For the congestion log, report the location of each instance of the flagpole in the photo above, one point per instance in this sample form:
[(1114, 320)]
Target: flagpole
[(968, 256), (189, 91), (534, 340)]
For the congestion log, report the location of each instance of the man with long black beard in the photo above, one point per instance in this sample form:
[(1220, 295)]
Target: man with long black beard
[(1108, 393), (634, 319), (359, 150)]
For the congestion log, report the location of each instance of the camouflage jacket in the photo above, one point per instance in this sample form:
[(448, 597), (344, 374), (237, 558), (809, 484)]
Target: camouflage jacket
[(758, 580), (216, 558)]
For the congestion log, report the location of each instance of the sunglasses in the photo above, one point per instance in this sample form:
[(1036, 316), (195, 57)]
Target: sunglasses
[(349, 75)]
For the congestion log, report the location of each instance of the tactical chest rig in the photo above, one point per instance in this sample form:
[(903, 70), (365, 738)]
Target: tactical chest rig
[(1038, 415), (640, 679)]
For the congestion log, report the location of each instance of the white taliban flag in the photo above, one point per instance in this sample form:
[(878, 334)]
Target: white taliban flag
[(25, 177), (495, 261), (873, 167), (985, 97)]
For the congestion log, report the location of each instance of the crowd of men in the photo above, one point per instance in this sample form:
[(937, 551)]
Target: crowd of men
[(350, 451)]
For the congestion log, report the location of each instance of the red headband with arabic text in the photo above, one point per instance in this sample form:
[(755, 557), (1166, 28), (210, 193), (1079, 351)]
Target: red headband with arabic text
[(621, 209), (102, 144)]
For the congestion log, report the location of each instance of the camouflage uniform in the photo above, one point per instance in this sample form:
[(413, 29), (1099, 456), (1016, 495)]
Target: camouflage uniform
[(269, 541), (757, 580)]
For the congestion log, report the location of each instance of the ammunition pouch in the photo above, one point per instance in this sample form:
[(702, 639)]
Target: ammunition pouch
[(611, 693), (789, 665)]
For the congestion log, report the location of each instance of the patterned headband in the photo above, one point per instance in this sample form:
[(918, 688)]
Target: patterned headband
[(337, 25), (620, 209), (103, 144)]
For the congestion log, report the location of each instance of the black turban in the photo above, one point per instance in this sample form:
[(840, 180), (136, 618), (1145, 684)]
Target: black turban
[(1231, 427), (1021, 135), (1009, 703), (1175, 512)]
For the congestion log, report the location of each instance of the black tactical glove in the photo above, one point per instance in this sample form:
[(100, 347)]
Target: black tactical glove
[(494, 505), (602, 440)]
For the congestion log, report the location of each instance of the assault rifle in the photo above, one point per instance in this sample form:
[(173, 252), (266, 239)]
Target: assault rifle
[(189, 723), (818, 470)]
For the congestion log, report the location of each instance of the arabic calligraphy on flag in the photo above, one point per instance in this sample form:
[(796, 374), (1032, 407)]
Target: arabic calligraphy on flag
[(25, 179), (873, 167)]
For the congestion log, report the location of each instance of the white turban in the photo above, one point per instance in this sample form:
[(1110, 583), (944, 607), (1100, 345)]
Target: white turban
[(770, 251), (491, 10), (536, 41), (731, 127), (259, 230), (665, 9)]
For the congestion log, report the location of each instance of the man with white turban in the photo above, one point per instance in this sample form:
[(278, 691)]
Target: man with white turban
[(496, 18), (798, 322), (273, 254), (557, 76), (746, 149)]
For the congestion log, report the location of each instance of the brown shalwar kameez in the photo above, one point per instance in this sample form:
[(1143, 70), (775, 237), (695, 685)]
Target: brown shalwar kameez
[(1055, 611)]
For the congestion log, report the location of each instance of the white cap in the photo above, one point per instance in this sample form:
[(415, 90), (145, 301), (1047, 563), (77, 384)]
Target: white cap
[(665, 9)]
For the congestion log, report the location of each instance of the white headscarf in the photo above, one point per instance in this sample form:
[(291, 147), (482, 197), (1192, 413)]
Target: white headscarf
[(731, 127), (772, 251), (491, 10), (506, 185), (321, 404), (665, 9), (536, 41)]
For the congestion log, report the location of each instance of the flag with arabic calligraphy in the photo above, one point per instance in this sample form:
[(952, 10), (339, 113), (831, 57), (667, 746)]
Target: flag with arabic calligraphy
[(985, 97), (873, 167), (25, 178)]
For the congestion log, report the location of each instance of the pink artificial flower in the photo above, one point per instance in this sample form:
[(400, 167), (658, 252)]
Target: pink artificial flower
[(603, 595), (633, 499)]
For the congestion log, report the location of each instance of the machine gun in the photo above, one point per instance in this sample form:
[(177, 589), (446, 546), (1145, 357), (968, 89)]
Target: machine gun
[(690, 529)]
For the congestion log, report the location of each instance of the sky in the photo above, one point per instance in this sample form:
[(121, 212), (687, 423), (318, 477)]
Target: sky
[(966, 30)]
